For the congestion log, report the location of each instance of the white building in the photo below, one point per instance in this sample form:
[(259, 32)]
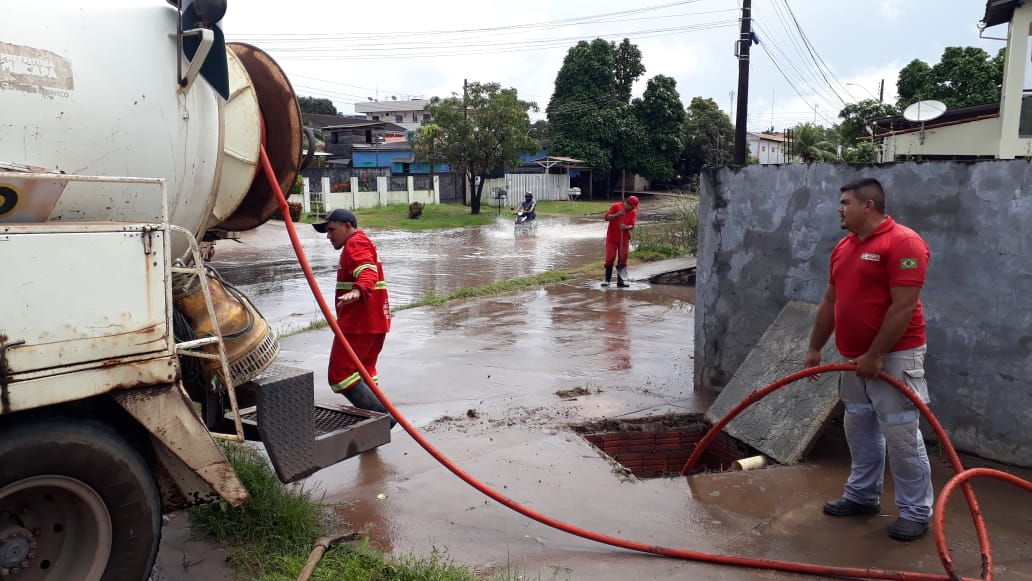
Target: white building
[(408, 113), (994, 130), (768, 148)]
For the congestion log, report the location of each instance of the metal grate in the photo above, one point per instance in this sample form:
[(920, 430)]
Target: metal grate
[(327, 421)]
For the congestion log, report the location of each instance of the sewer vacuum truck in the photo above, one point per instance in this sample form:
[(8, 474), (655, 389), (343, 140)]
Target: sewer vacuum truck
[(131, 141)]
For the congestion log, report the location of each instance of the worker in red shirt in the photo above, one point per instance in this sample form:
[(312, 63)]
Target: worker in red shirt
[(622, 216), (363, 309), (872, 304)]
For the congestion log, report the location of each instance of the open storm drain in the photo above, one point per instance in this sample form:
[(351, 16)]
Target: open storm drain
[(658, 447)]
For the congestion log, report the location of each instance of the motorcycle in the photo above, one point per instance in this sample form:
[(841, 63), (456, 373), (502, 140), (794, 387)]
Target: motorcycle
[(522, 217), (526, 223)]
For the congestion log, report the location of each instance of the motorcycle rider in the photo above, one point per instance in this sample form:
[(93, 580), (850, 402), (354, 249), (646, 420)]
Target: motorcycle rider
[(526, 211)]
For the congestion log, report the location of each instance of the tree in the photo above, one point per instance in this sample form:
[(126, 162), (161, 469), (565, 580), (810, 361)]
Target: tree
[(862, 152), (856, 116), (540, 132), (318, 106), (708, 135), (483, 132), (963, 76), (810, 143), (661, 116), (628, 68), (590, 115)]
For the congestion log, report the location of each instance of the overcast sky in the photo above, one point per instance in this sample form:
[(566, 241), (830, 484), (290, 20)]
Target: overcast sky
[(350, 52)]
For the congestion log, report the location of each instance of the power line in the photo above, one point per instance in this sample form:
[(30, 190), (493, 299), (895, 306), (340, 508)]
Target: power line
[(546, 24), (408, 51)]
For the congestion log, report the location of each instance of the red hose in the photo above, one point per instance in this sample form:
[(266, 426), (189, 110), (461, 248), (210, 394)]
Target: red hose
[(939, 518), (944, 441), (790, 566)]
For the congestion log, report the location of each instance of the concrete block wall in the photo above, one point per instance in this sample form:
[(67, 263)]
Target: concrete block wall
[(766, 234)]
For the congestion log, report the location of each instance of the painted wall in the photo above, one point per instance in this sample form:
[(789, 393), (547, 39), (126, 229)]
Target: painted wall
[(766, 234)]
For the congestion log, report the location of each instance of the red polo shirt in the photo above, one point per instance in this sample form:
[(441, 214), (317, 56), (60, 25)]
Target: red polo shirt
[(863, 272)]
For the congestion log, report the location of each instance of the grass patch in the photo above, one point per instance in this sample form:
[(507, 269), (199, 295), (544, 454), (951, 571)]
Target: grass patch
[(495, 288), (434, 217), (276, 523), (317, 322), (571, 208), (270, 537), (491, 289), (650, 251)]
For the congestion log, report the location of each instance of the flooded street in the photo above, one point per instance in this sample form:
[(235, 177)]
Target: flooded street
[(262, 264)]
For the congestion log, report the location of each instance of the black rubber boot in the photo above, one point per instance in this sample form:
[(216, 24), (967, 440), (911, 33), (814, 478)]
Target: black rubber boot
[(609, 275), (361, 396)]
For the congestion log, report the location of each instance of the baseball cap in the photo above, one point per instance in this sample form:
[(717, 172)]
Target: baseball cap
[(338, 215), (633, 200)]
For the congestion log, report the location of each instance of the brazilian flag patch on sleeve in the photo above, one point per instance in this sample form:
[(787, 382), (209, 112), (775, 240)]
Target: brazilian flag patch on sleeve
[(908, 263)]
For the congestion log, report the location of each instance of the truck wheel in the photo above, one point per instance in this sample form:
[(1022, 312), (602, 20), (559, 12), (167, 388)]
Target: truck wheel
[(76, 502)]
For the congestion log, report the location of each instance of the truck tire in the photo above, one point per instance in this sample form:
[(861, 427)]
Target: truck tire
[(76, 502)]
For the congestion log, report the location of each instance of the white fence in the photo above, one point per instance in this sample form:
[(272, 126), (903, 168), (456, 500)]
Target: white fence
[(355, 199), (544, 186)]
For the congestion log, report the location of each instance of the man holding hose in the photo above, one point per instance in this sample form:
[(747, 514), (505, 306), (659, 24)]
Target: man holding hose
[(872, 304)]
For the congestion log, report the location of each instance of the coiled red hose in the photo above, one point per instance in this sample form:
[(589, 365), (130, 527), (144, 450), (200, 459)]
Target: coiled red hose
[(777, 565)]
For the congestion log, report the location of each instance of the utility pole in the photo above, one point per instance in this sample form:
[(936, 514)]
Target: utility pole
[(744, 43), (881, 91), (465, 93)]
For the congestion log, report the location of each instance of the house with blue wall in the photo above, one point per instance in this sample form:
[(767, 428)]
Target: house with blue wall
[(397, 156)]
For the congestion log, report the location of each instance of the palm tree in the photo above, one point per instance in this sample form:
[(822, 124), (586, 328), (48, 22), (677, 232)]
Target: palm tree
[(809, 143)]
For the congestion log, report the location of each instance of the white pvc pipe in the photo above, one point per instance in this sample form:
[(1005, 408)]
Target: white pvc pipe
[(750, 463)]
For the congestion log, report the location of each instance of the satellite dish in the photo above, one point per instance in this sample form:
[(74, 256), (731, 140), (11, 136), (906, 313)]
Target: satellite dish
[(924, 111)]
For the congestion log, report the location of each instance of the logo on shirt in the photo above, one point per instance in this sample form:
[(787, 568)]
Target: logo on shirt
[(870, 256), (908, 263)]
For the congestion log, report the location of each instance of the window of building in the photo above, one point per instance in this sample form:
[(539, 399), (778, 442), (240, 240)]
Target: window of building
[(398, 118), (426, 115), (376, 117)]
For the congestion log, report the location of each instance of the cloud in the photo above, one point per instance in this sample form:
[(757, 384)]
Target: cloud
[(891, 9)]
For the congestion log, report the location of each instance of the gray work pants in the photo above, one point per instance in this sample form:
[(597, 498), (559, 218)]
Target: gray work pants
[(880, 419)]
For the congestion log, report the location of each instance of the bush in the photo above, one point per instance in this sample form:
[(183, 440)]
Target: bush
[(415, 210), (295, 211), (674, 237), (341, 187)]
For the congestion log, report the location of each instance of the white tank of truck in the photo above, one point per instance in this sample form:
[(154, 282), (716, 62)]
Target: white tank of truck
[(129, 131), (96, 88)]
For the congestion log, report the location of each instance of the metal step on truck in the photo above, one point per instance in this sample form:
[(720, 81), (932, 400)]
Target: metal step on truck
[(124, 358)]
